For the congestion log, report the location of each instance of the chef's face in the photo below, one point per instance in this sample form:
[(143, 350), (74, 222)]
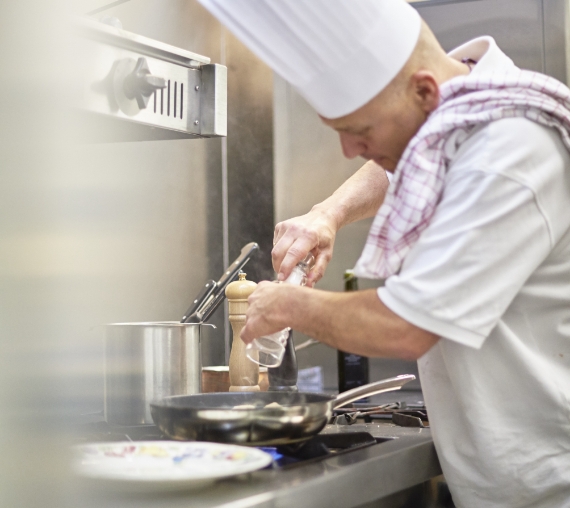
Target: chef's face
[(381, 129)]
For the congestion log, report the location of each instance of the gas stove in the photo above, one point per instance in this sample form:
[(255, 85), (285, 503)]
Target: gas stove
[(312, 450), (349, 463), (351, 428)]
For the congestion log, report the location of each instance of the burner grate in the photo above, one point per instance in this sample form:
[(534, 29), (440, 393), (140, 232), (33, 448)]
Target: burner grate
[(400, 413), (320, 447)]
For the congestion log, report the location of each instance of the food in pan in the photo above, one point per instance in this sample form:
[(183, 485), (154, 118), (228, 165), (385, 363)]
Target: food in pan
[(251, 406)]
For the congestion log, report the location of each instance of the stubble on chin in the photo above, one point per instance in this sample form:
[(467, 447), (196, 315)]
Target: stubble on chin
[(385, 163)]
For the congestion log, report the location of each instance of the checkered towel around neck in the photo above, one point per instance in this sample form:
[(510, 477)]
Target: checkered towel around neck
[(466, 103)]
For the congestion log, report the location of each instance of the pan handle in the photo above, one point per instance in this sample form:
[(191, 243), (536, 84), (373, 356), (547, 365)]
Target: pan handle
[(384, 385)]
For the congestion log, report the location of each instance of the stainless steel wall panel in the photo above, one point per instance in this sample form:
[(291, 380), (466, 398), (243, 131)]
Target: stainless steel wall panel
[(214, 101), (141, 221), (516, 25), (556, 15), (250, 157), (147, 218), (34, 374)]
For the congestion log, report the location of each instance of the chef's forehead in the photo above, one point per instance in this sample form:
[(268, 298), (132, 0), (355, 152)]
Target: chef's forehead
[(338, 54)]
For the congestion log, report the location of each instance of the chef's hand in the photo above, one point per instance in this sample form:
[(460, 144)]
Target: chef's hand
[(268, 310), (357, 198), (294, 238)]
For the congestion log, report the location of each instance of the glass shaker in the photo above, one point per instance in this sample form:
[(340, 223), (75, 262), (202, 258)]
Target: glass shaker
[(269, 350)]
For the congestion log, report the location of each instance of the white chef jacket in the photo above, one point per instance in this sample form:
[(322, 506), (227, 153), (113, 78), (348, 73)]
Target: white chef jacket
[(491, 276)]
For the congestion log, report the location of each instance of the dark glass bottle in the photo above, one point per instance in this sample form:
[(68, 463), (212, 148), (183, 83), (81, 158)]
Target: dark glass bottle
[(352, 369)]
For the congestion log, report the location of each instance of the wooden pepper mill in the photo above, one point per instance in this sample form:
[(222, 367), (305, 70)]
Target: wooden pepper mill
[(244, 374)]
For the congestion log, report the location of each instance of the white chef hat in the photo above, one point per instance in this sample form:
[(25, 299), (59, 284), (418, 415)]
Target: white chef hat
[(338, 54)]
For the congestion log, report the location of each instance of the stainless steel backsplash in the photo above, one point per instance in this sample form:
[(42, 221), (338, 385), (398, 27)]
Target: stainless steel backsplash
[(142, 225)]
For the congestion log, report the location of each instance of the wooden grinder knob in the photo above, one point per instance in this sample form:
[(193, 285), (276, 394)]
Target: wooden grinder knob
[(244, 374)]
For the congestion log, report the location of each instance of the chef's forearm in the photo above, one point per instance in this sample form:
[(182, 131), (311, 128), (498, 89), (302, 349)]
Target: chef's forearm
[(357, 322), (357, 198)]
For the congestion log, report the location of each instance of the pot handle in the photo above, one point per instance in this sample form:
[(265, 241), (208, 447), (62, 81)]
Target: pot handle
[(384, 385)]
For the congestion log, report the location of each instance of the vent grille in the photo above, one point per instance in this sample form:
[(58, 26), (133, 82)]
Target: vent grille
[(169, 101)]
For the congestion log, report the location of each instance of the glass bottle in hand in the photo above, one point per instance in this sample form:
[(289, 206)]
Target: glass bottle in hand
[(268, 351)]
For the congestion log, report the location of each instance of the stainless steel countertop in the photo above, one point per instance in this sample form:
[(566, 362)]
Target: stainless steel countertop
[(347, 480)]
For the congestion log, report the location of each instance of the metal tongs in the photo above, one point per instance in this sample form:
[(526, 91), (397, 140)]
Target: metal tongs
[(213, 293)]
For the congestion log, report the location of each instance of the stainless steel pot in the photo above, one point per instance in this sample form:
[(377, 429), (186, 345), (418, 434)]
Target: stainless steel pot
[(149, 361), (247, 419)]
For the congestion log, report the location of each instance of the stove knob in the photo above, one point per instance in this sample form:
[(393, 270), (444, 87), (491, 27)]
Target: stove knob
[(141, 84)]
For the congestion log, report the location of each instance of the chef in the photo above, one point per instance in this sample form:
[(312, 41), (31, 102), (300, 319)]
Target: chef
[(472, 235)]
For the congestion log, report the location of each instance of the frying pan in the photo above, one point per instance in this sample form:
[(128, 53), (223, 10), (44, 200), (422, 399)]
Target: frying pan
[(215, 417)]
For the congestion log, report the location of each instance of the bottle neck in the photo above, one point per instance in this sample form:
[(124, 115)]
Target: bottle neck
[(350, 281)]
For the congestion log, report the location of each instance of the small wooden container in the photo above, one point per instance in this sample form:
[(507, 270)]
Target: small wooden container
[(217, 379)]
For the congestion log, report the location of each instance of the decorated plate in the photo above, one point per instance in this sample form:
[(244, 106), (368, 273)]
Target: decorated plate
[(151, 465)]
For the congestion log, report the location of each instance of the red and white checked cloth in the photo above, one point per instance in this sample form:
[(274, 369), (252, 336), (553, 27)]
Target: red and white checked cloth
[(415, 190)]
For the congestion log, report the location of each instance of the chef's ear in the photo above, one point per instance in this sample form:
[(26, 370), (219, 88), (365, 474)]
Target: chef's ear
[(425, 90)]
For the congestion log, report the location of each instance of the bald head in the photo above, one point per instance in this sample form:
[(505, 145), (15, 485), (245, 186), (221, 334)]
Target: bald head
[(381, 129), (429, 56)]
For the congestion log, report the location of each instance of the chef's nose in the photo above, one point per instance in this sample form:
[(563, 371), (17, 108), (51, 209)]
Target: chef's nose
[(352, 146)]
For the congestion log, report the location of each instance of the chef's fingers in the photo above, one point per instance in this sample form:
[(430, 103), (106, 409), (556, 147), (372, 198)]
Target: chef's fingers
[(254, 329), (294, 243), (285, 235), (245, 333), (296, 251), (280, 248), (278, 232), (257, 317), (321, 262)]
